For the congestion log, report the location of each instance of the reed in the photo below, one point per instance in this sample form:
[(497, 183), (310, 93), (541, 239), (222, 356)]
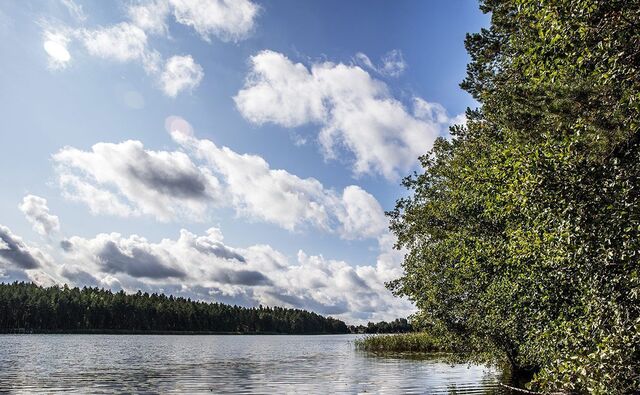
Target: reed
[(400, 342)]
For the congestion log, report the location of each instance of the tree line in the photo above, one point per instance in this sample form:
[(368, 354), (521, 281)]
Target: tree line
[(399, 325), (523, 228), (31, 308)]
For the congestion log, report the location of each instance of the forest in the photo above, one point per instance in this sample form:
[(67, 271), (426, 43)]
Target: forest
[(399, 325), (26, 307), (523, 228)]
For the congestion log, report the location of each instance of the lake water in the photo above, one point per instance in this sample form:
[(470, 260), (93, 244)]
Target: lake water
[(222, 364)]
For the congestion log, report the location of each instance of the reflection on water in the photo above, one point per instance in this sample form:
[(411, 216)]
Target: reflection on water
[(222, 364)]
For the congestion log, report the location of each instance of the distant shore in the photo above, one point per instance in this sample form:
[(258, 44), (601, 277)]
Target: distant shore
[(20, 331)]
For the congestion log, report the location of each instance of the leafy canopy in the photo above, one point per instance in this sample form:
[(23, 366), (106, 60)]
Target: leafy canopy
[(523, 230)]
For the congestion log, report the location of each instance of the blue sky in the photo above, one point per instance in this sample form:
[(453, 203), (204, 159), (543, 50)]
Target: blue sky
[(115, 115)]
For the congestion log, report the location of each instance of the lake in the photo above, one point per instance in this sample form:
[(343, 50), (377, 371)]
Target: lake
[(222, 364)]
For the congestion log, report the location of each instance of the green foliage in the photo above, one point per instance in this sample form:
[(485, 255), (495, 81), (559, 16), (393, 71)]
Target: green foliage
[(32, 308), (399, 325), (523, 231), (403, 342)]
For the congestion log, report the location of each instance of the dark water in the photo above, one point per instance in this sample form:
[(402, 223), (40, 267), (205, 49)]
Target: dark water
[(222, 364)]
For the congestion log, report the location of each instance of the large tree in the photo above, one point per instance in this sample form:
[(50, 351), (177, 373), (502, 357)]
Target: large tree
[(523, 229)]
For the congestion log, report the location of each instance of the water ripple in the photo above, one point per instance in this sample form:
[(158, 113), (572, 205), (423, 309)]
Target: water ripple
[(104, 364)]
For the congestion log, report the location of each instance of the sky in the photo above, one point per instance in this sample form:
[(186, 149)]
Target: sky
[(234, 151)]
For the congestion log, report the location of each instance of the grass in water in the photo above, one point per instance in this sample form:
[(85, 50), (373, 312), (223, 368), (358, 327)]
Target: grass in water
[(401, 342)]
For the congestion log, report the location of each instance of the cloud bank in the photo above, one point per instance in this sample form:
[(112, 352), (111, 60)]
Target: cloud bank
[(205, 268)]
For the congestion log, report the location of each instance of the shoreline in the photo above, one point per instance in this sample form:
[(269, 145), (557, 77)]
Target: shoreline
[(156, 332)]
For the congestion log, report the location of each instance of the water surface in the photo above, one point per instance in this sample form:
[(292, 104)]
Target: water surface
[(222, 364)]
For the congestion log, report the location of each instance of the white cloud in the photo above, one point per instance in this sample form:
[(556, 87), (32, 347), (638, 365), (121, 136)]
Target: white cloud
[(204, 267), (37, 213), (55, 45), (460, 119), (99, 200), (16, 253), (24, 262), (430, 112), (436, 113), (226, 19), (279, 197), (127, 41), (356, 112), (180, 73), (150, 16), (75, 10), (365, 61), (163, 184), (392, 63), (122, 42), (261, 193), (363, 217), (125, 180)]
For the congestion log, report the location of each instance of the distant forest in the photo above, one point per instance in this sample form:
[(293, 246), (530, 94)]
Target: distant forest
[(399, 325), (26, 307)]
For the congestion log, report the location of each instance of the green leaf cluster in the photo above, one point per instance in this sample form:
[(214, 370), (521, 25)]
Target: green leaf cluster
[(523, 229)]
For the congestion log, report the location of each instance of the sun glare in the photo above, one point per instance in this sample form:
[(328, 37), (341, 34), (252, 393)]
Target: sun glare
[(57, 51)]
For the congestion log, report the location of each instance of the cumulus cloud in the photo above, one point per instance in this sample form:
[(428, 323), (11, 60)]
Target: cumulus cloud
[(225, 19), (262, 275), (279, 197), (99, 200), (213, 244), (137, 262), (125, 179), (37, 213), (128, 41), (228, 20), (363, 216), (205, 267), (460, 119), (123, 42), (190, 259), (14, 251), (20, 261), (180, 73), (355, 112), (150, 16), (431, 112), (262, 193)]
